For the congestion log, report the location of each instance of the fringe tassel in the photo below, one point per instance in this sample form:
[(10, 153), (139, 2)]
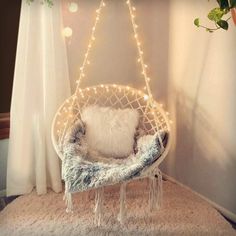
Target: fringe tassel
[(123, 209), (155, 191), (99, 198), (160, 189), (68, 199)]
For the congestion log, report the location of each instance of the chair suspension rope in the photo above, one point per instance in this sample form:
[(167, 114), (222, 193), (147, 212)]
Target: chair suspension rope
[(140, 51), (90, 44), (144, 66)]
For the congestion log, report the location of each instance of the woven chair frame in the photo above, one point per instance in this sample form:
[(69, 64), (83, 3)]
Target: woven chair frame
[(153, 118)]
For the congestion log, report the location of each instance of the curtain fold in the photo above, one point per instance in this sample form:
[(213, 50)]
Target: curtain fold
[(41, 83)]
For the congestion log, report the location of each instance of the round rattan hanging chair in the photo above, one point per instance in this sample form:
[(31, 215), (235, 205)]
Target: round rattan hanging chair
[(153, 119)]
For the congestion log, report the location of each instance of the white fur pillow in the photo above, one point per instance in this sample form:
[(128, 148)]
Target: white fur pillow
[(110, 131)]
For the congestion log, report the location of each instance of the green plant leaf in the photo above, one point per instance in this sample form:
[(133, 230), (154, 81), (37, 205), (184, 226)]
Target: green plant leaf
[(197, 22), (224, 4), (223, 24), (232, 3), (215, 14), (209, 30)]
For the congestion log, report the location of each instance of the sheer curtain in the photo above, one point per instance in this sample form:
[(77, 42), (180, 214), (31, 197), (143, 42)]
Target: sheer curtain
[(41, 83)]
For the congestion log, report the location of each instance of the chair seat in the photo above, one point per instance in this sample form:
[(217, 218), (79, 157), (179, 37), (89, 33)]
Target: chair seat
[(84, 170)]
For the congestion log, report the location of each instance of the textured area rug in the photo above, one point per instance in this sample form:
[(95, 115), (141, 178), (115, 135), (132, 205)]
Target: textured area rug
[(182, 213)]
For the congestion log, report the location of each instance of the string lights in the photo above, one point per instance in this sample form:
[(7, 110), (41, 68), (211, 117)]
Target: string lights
[(73, 7), (67, 32), (144, 66), (90, 44)]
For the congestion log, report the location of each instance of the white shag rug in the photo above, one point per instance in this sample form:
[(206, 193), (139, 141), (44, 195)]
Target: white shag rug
[(182, 213)]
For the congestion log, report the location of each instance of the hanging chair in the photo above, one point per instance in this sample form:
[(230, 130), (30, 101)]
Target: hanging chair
[(80, 174)]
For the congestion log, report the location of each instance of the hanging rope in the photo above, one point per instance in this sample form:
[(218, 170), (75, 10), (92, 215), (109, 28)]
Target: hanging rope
[(91, 41), (140, 52)]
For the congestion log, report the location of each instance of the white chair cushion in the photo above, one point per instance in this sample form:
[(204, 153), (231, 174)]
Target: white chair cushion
[(110, 131)]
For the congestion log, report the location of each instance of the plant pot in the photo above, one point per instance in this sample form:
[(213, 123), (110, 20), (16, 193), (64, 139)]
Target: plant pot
[(233, 13)]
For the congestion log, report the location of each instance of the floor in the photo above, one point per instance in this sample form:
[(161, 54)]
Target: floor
[(182, 213)]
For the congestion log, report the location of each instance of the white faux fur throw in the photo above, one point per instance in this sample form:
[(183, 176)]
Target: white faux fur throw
[(110, 131)]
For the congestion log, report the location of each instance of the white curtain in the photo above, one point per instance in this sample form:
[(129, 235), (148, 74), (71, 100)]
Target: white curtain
[(41, 83)]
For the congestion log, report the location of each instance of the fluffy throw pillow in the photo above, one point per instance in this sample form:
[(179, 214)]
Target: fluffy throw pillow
[(110, 131)]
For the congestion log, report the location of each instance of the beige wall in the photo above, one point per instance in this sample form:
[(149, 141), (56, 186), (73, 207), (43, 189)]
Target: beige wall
[(202, 95)]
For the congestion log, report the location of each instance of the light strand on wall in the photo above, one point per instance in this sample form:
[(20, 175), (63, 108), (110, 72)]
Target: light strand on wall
[(144, 66), (90, 44)]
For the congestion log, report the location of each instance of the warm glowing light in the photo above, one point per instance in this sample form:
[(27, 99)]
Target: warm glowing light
[(140, 57), (73, 7), (67, 32)]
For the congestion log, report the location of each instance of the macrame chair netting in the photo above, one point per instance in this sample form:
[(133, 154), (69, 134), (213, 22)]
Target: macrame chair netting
[(153, 119)]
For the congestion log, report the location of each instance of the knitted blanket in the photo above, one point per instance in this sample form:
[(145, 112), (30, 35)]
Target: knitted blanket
[(84, 169)]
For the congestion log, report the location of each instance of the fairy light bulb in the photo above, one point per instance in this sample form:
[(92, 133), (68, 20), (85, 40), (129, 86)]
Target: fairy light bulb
[(73, 7), (67, 32)]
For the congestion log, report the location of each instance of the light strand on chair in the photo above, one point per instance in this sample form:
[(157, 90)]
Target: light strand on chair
[(90, 44), (144, 66)]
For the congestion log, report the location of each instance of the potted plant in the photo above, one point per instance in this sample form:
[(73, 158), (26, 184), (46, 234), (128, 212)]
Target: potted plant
[(225, 8)]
